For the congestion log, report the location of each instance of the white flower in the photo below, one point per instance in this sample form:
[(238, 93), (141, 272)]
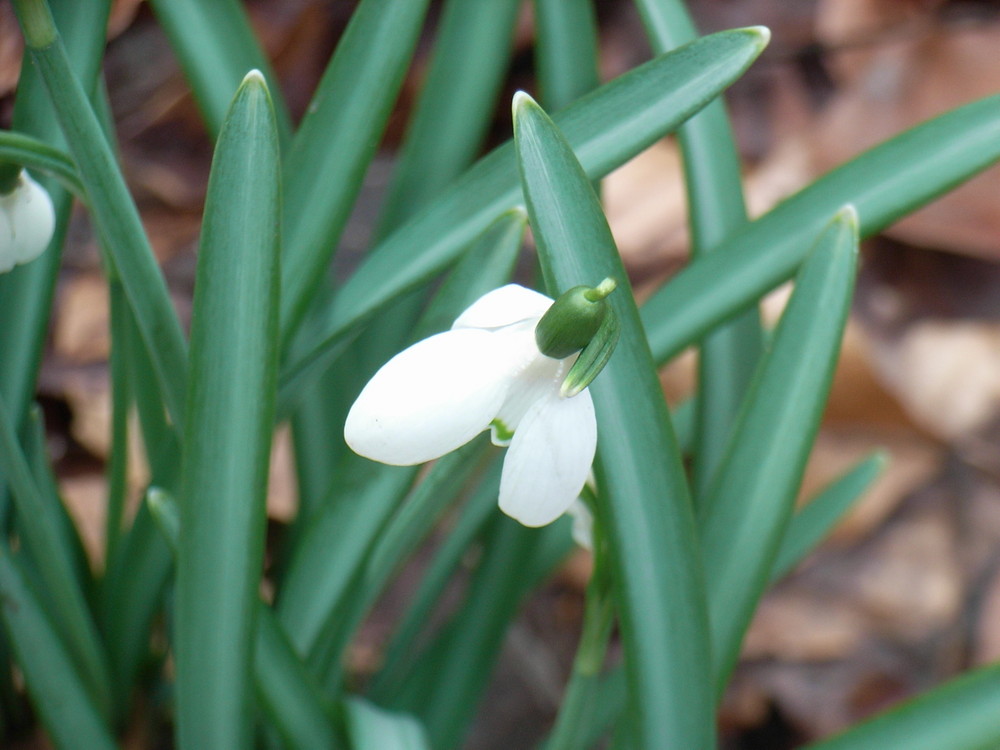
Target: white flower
[(27, 221), (485, 372)]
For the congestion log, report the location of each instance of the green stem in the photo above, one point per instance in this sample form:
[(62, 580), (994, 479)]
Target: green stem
[(582, 692), (111, 205), (10, 176)]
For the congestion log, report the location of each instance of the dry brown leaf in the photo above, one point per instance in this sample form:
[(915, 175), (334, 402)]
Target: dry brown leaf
[(80, 334)]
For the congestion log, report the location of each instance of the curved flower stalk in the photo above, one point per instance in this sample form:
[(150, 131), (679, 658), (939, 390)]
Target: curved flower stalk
[(488, 371), (27, 221)]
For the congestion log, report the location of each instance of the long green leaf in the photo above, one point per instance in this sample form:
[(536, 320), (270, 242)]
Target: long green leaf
[(822, 512), (565, 50), (456, 106), (605, 128), (643, 500), (336, 142), (401, 651), (111, 206), (36, 155), (284, 688), (712, 175), (228, 437), (373, 728), (41, 533), (216, 46), (451, 676), (748, 507), (63, 700), (884, 183), (354, 520), (959, 715), (27, 291)]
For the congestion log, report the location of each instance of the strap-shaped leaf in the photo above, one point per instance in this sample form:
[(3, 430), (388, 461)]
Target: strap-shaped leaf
[(751, 500), (605, 128), (884, 184), (643, 507), (959, 715), (234, 346), (66, 707)]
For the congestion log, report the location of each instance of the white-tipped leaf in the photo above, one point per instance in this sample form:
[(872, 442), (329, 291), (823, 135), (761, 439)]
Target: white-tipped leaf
[(509, 304), (430, 399), (549, 459)]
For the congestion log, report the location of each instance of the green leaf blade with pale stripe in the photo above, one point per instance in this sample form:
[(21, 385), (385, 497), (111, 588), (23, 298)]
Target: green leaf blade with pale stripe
[(746, 511), (884, 184), (228, 437), (643, 505)]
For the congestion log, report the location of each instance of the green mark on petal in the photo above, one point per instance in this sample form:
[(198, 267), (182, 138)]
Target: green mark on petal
[(501, 433)]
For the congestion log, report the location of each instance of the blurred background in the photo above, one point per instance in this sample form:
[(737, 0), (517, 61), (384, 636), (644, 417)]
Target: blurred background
[(907, 590)]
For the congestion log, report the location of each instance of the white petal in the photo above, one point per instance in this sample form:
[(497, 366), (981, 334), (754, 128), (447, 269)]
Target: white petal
[(502, 307), (583, 524), (32, 219), (7, 257), (430, 399), (549, 458)]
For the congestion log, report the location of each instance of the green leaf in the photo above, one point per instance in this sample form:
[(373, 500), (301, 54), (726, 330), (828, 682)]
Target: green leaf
[(336, 141), (565, 50), (643, 505), (136, 575), (327, 558), (959, 715), (52, 554), (401, 651), (216, 47), (285, 690), (37, 156), (63, 700), (606, 129), (27, 291), (452, 674), (821, 513), (111, 206), (884, 184), (746, 511), (713, 178), (374, 728), (456, 107), (228, 436)]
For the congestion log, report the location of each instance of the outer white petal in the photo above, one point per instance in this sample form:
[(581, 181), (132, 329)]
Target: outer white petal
[(549, 458), (32, 219), (502, 307), (430, 399), (7, 257)]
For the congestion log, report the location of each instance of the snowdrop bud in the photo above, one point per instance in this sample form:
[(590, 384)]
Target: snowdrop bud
[(573, 320), (27, 221)]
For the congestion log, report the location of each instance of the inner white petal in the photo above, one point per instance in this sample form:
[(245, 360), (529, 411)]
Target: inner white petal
[(549, 458)]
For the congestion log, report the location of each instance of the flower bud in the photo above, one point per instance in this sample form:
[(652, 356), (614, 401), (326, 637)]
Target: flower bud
[(573, 320), (27, 221)]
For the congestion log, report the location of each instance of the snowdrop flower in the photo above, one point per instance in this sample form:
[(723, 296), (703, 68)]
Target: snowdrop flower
[(27, 221), (489, 371)]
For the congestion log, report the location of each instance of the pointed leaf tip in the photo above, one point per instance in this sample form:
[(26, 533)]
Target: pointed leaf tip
[(522, 99), (763, 32), (848, 214), (254, 77)]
